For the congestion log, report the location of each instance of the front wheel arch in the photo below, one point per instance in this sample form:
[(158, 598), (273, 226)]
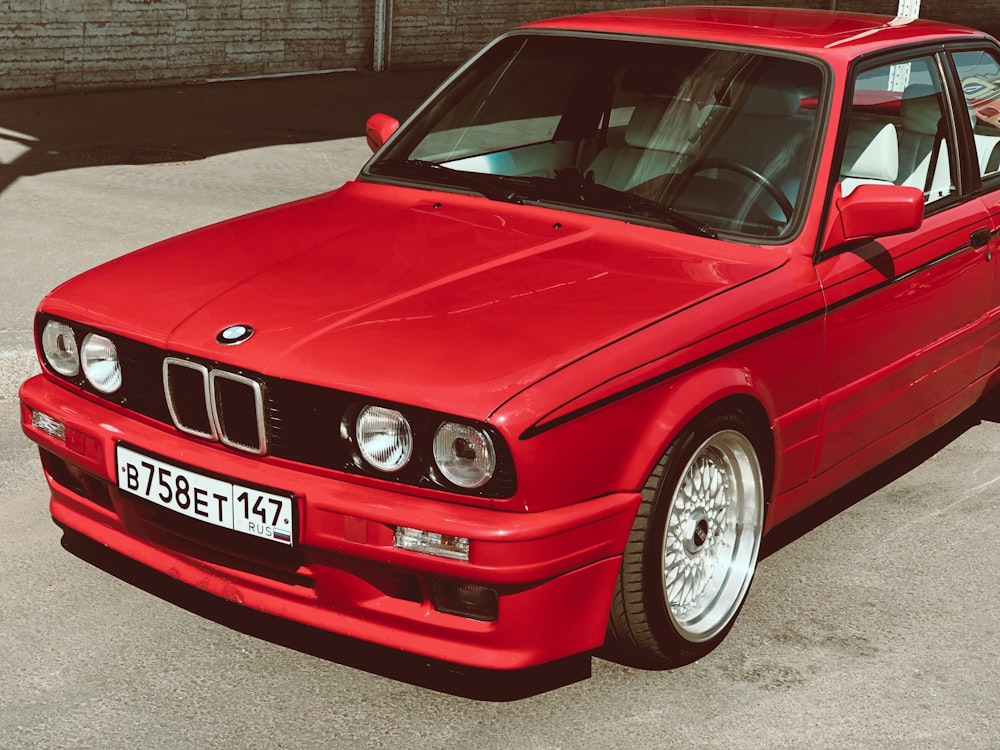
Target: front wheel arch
[(757, 417), (693, 547), (762, 435)]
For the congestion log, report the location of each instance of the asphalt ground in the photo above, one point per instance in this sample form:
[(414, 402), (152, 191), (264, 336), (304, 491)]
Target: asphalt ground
[(873, 620)]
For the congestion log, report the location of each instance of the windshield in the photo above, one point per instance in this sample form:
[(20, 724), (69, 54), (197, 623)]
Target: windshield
[(704, 140)]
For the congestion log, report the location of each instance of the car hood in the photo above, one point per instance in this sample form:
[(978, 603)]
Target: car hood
[(438, 300)]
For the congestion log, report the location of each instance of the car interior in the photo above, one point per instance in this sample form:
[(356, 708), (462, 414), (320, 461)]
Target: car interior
[(901, 138), (723, 136)]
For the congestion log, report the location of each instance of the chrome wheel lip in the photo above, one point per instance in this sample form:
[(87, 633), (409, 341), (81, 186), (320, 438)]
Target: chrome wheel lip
[(712, 536)]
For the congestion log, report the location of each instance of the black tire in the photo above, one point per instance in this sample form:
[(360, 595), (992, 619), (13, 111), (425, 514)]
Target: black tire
[(678, 593)]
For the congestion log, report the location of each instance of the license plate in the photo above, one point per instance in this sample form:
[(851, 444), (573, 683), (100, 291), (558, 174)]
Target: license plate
[(228, 503)]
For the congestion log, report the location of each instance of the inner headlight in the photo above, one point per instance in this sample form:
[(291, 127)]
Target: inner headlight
[(464, 455), (100, 363), (384, 438), (59, 348)]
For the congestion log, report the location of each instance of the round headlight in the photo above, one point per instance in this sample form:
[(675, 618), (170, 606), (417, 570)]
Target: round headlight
[(59, 348), (384, 438), (100, 363), (464, 455)]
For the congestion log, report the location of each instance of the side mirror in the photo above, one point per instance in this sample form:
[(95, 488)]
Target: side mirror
[(872, 211), (378, 129)]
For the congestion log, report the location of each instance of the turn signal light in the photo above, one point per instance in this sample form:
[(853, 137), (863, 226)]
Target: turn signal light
[(431, 543)]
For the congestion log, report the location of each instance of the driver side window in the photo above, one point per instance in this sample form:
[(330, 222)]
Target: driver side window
[(897, 133)]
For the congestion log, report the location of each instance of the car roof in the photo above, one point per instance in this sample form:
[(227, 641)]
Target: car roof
[(818, 32)]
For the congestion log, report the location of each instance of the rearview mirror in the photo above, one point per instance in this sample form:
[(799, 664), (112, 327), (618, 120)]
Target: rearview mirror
[(378, 129), (872, 211)]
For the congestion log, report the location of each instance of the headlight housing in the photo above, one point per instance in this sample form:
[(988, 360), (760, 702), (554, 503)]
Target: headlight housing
[(84, 356), (464, 455), (59, 348), (384, 437), (101, 367), (424, 448)]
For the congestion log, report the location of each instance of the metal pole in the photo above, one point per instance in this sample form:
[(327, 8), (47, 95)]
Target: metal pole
[(908, 9), (382, 48), (899, 75)]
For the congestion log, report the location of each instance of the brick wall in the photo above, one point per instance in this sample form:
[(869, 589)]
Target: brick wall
[(64, 45), (426, 31), (431, 31), (980, 14), (75, 44)]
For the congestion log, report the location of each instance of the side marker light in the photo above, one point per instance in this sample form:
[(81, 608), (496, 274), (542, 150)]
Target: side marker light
[(51, 427)]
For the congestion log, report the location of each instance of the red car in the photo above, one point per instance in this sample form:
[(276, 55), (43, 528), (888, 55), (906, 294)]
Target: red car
[(627, 292)]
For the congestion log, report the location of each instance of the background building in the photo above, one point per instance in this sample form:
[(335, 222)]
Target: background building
[(66, 45)]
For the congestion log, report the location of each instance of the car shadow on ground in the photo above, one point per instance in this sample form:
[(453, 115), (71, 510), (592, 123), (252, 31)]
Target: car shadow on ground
[(878, 478), (440, 676), (169, 124), (479, 684)]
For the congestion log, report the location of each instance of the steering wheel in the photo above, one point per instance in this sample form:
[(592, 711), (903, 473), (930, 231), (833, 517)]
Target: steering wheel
[(731, 165)]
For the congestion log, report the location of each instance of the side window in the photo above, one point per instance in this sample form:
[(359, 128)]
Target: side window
[(979, 72), (897, 133)]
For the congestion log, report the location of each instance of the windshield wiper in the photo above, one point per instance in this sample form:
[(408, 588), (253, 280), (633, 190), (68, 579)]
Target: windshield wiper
[(430, 171), (570, 190), (621, 200), (654, 209)]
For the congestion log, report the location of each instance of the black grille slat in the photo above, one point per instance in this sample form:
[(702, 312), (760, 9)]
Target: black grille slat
[(142, 383), (239, 410), (186, 385), (304, 422)]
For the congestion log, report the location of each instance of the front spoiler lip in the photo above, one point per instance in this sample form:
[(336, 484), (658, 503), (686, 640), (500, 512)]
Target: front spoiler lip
[(532, 628)]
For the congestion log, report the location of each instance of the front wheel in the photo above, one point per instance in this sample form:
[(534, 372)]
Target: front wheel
[(693, 547)]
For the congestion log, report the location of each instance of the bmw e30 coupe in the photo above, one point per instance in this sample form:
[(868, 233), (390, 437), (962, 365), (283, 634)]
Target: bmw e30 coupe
[(627, 292)]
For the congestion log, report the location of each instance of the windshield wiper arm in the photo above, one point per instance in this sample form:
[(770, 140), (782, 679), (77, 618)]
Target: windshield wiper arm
[(571, 187), (633, 202), (494, 187), (438, 173)]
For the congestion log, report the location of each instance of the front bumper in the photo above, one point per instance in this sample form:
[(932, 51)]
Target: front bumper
[(553, 571)]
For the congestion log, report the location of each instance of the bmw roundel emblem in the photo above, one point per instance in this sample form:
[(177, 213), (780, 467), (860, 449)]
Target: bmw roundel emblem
[(236, 334)]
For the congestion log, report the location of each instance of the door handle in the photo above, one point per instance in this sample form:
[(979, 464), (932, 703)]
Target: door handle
[(980, 238)]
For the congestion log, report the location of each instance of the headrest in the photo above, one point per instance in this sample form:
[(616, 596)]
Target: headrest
[(651, 81), (871, 151), (920, 110), (780, 88), (662, 124), (770, 100)]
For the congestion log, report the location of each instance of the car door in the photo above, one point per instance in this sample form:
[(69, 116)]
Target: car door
[(978, 74), (905, 314)]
